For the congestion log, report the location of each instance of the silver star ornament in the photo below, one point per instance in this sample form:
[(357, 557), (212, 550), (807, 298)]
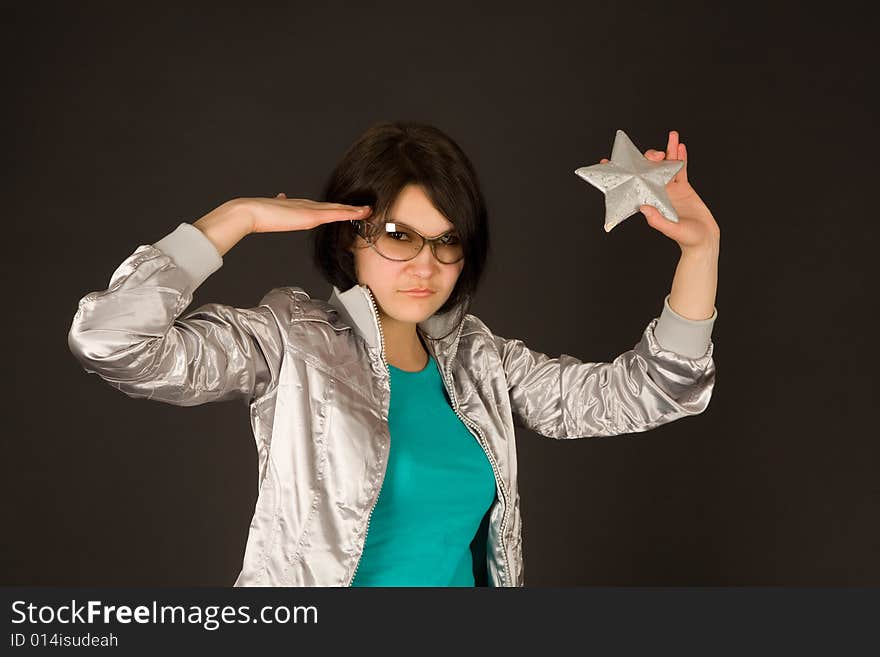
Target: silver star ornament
[(630, 180)]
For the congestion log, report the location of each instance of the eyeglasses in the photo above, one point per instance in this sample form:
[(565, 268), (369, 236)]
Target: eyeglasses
[(397, 241)]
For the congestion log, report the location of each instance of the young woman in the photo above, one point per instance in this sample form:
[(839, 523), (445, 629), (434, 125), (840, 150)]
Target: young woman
[(384, 417)]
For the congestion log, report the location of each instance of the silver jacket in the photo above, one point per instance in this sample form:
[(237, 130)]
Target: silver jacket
[(314, 377)]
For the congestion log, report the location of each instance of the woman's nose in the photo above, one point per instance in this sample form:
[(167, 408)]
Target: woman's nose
[(425, 259), (428, 252)]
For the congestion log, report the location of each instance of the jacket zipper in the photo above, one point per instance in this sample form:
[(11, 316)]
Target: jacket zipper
[(467, 422), (376, 500)]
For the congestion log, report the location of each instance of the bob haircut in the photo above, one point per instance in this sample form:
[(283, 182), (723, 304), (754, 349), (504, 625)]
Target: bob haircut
[(374, 170)]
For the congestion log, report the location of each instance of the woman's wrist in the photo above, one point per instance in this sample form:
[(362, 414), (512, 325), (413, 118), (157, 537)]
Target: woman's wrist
[(227, 224)]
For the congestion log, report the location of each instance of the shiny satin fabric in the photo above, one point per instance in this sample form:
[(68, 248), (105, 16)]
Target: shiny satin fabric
[(313, 376)]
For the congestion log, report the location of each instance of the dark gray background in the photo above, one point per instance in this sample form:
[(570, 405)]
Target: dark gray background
[(124, 121)]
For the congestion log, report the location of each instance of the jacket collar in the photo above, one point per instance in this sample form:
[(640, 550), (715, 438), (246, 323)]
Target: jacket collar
[(356, 309)]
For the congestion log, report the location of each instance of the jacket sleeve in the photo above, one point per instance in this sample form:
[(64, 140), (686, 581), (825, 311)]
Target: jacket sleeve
[(133, 337), (667, 375)]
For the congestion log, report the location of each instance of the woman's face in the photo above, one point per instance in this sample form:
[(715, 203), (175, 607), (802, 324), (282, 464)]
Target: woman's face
[(388, 278)]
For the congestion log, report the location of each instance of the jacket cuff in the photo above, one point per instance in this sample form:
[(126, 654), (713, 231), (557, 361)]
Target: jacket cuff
[(192, 252), (688, 337)]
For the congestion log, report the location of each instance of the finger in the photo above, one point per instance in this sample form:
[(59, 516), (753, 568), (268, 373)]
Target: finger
[(603, 160), (683, 155), (345, 208), (334, 207), (672, 151), (342, 214), (655, 219), (327, 205), (672, 147), (281, 195), (653, 154), (651, 214)]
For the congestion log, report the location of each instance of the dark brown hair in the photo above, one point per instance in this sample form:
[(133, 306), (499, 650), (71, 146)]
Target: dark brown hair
[(373, 171)]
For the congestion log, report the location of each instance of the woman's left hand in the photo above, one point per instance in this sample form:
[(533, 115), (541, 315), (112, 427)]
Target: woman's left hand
[(696, 229)]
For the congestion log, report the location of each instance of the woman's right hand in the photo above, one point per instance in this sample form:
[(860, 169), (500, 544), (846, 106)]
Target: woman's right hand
[(271, 215)]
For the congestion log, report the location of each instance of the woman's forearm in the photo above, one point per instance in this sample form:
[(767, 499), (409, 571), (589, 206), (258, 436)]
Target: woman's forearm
[(695, 283)]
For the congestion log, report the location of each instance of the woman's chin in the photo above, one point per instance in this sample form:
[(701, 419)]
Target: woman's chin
[(412, 313)]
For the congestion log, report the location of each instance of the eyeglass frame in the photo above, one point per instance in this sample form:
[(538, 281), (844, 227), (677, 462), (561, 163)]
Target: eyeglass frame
[(425, 240)]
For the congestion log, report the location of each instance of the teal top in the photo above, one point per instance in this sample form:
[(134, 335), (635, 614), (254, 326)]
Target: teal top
[(428, 525)]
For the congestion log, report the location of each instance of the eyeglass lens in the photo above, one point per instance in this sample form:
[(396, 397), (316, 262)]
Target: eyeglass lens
[(400, 242)]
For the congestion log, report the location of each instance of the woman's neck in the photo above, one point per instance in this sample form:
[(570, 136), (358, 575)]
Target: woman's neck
[(403, 346)]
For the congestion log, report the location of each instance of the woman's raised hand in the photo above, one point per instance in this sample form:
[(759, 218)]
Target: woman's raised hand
[(696, 229), (270, 215), (230, 222)]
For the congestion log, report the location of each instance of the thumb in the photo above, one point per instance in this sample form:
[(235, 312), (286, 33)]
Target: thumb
[(649, 211), (653, 217), (660, 223)]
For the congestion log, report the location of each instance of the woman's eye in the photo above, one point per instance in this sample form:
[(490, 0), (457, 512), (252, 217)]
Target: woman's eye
[(393, 233), (450, 239)]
